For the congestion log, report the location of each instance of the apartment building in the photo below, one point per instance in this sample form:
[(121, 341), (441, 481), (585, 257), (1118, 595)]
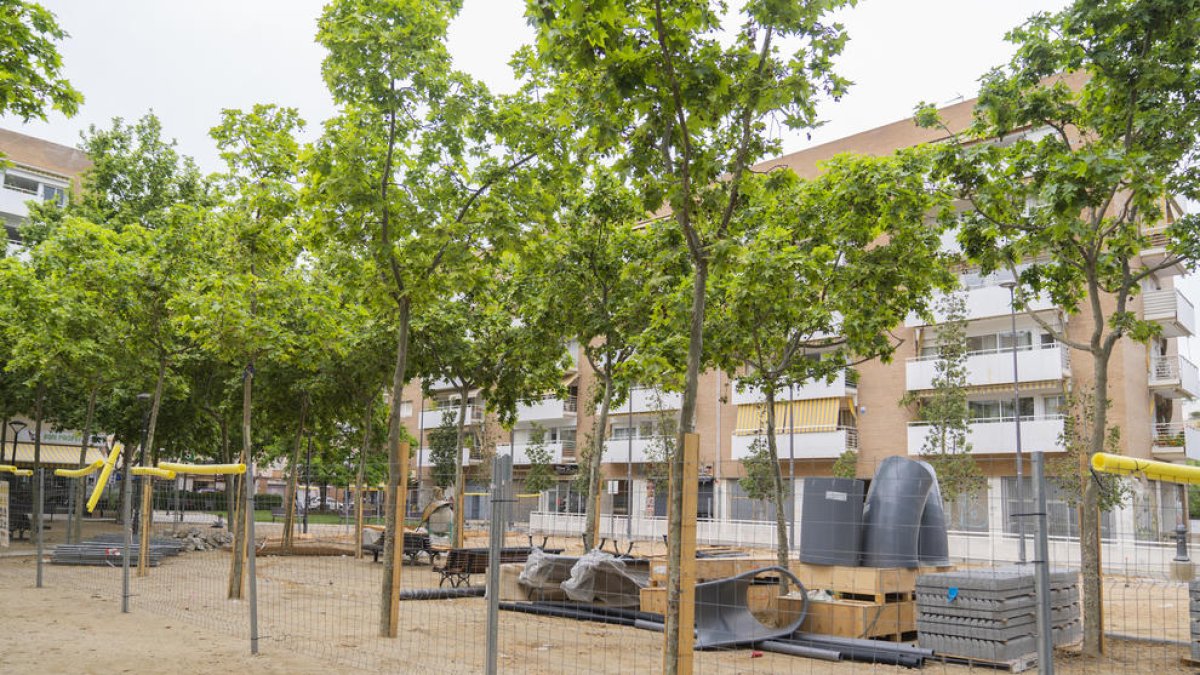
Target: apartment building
[(32, 169), (860, 410)]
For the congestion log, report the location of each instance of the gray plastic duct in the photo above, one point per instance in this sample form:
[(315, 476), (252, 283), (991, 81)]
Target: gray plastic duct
[(723, 617), (831, 521), (934, 546), (894, 513)]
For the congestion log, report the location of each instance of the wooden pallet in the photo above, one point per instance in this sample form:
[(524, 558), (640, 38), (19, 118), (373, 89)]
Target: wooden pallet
[(895, 621), (1019, 665)]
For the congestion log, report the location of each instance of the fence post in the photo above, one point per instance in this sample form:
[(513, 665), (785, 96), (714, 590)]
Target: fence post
[(687, 561), (1045, 629), (250, 547), (127, 517), (41, 522), (501, 496)]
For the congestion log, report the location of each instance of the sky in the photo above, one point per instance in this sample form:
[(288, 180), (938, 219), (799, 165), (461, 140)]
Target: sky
[(187, 61)]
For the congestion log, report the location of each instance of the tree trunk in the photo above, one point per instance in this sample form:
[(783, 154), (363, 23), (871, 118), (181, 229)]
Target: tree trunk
[(149, 457), (397, 483), (781, 521), (687, 423), (1089, 517), (289, 497), (236, 570), (227, 458), (460, 501), (80, 486), (360, 476), (591, 530)]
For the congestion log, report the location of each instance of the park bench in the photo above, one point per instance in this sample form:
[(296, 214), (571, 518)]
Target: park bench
[(19, 526), (461, 563), (278, 512), (415, 543)]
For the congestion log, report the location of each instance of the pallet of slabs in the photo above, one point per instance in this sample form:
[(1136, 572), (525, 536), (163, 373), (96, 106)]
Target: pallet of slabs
[(1194, 619), (988, 615)]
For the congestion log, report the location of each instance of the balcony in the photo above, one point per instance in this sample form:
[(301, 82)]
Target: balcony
[(1171, 310), (999, 436), (639, 450), (845, 384), (803, 445), (646, 400), (547, 408), (1034, 364), (1155, 251), (431, 419), (1174, 377), (560, 452), (1174, 442), (12, 201), (983, 302)]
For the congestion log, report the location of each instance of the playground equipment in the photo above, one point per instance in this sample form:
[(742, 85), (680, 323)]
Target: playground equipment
[(106, 471), (1152, 470), (903, 521), (80, 473), (8, 468), (203, 469)]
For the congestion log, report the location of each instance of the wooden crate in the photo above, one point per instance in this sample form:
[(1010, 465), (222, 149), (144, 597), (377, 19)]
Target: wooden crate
[(857, 618), (878, 584)]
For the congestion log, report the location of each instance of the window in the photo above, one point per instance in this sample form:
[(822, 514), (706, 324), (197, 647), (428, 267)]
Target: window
[(17, 183), (1062, 518), (1055, 405), (968, 513), (996, 409), (54, 194), (406, 408)]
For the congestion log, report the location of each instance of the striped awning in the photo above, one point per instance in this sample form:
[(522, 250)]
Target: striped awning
[(56, 455), (813, 415), (1006, 388)]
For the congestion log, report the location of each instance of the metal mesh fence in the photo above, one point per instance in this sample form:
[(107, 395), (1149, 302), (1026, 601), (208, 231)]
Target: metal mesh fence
[(870, 581)]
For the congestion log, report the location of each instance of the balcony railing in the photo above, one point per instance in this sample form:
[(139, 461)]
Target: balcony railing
[(1170, 435), (1039, 362), (1171, 310), (997, 435), (825, 442), (844, 384), (1174, 376)]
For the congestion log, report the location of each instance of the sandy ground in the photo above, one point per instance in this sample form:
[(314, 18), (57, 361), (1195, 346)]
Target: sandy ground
[(319, 615)]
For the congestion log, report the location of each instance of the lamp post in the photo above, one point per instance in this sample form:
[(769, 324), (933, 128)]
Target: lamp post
[(792, 462), (17, 426), (1011, 285), (629, 474)]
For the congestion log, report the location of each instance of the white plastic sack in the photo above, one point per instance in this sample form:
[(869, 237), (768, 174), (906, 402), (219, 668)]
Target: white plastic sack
[(537, 569), (581, 587)]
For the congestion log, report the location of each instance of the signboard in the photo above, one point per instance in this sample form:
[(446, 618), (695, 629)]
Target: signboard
[(3, 514)]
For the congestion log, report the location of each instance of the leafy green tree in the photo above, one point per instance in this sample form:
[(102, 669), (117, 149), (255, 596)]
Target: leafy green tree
[(31, 80), (237, 311), (444, 452), (410, 175), (540, 476), (686, 104), (589, 278), (854, 251), (945, 409), (1100, 118), (846, 465)]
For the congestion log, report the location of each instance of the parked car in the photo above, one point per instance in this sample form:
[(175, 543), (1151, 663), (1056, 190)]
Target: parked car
[(330, 504)]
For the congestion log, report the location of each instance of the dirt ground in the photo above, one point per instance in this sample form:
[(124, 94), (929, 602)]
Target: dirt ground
[(319, 615)]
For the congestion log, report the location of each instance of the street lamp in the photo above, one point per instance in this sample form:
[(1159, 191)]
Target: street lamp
[(1011, 285), (17, 426)]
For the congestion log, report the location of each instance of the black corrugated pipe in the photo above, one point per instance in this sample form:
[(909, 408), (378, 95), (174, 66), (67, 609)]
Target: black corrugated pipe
[(601, 609), (441, 593), (834, 641), (865, 654), (565, 613)]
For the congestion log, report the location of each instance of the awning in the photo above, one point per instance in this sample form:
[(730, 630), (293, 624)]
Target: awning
[(58, 455), (1006, 388), (814, 415)]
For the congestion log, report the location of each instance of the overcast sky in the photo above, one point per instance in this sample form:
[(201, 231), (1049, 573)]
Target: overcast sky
[(188, 60)]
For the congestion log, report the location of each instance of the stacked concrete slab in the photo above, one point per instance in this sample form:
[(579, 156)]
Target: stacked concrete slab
[(1194, 616), (991, 613)]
